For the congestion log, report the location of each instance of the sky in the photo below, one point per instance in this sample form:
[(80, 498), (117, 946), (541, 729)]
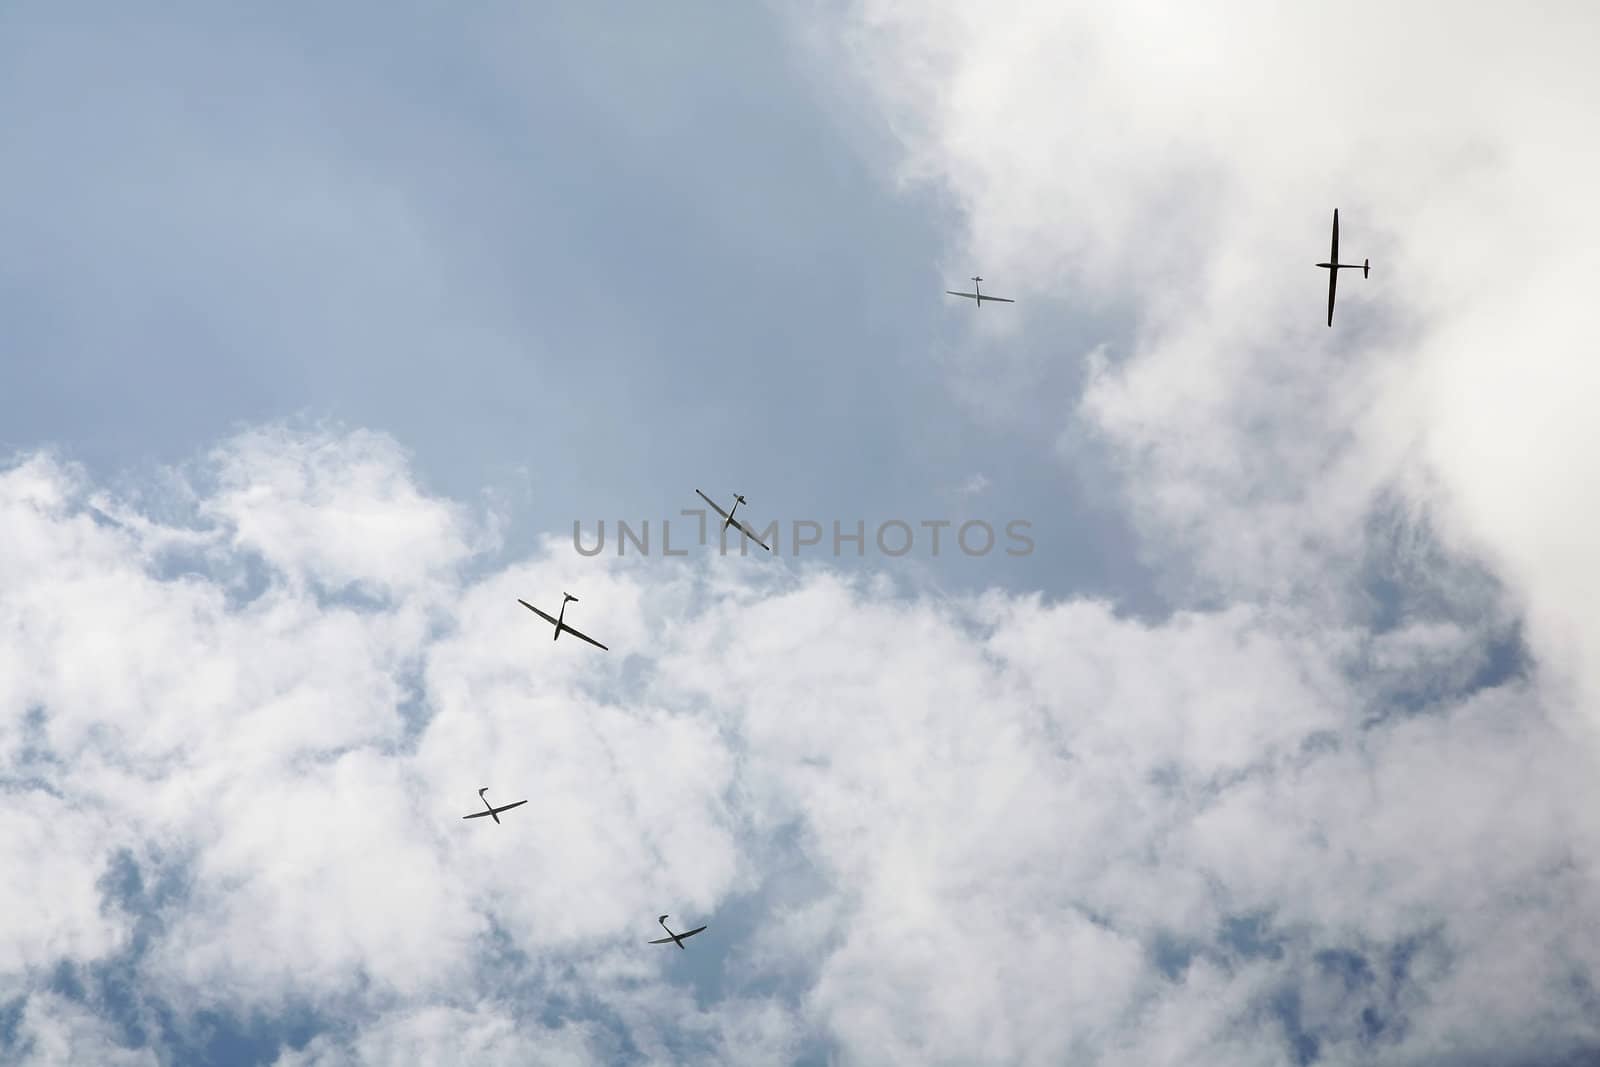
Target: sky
[(324, 327)]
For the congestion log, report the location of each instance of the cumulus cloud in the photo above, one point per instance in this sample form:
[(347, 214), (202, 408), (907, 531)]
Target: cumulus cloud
[(921, 829), (54, 1030), (437, 1036), (339, 512)]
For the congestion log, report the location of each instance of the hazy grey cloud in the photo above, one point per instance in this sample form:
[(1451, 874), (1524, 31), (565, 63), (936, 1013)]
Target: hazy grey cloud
[(1182, 165)]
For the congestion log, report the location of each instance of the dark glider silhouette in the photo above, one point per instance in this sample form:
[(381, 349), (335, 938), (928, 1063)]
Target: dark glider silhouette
[(559, 621), (978, 294), (729, 520), (1333, 266), (493, 812), (676, 939)]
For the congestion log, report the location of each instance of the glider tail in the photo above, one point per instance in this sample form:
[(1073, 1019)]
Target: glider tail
[(1366, 266)]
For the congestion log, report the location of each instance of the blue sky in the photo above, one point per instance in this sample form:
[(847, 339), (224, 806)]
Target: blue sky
[(590, 263), (324, 326)]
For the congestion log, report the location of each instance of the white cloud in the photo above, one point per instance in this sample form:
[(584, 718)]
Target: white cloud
[(54, 1030), (990, 828), (439, 1036), (50, 900), (337, 512)]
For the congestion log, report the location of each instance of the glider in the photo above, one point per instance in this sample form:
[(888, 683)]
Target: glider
[(561, 626), (729, 520), (676, 939), (977, 293), (1333, 265), (493, 812)]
